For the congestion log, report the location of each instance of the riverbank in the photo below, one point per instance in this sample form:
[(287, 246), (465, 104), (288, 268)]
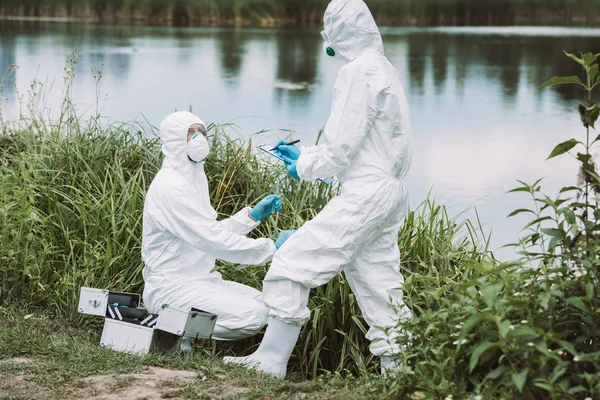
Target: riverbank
[(557, 19), (272, 13)]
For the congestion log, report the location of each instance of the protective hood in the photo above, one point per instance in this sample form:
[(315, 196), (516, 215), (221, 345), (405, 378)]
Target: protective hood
[(173, 133), (351, 29)]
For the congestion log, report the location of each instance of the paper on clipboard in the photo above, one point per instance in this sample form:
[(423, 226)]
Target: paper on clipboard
[(327, 181)]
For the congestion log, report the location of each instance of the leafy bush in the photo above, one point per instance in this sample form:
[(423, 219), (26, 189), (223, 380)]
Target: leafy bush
[(528, 329)]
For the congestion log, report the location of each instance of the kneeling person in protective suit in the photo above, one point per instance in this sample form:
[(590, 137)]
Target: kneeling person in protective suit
[(368, 147), (182, 237)]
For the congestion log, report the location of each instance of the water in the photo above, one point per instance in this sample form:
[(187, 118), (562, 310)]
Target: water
[(479, 123)]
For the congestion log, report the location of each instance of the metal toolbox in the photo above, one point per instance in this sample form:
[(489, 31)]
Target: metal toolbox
[(96, 301), (130, 328), (195, 323), (126, 337)]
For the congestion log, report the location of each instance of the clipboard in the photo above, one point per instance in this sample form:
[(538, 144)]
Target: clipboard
[(327, 181)]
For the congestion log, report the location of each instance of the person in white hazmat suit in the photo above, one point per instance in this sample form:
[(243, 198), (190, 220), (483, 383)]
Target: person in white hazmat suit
[(368, 147), (182, 237)]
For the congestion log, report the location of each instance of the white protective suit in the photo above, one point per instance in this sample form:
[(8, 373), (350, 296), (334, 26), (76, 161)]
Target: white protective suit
[(182, 238), (368, 147)]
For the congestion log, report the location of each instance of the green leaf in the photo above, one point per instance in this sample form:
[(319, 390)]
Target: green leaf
[(553, 232), (544, 386), (519, 379), (490, 293), (495, 373), (563, 80), (577, 303), (563, 148), (521, 189), (589, 59), (584, 158), (577, 389), (574, 57), (589, 291), (519, 211), (593, 72), (568, 347), (569, 216), (524, 332), (504, 328), (568, 189), (544, 299), (542, 347), (470, 323), (537, 221), (589, 114), (485, 347), (472, 292)]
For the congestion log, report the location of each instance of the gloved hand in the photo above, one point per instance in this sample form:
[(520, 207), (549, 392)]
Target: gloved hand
[(292, 170), (283, 236), (287, 151), (291, 167), (266, 207)]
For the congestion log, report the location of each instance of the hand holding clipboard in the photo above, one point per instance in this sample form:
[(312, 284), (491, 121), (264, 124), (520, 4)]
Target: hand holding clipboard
[(270, 152)]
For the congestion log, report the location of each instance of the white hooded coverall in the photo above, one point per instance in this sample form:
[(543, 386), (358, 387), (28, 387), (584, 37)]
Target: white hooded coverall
[(182, 238), (367, 145)]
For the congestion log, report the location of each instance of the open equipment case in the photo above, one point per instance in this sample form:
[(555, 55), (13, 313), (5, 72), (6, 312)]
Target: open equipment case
[(131, 329)]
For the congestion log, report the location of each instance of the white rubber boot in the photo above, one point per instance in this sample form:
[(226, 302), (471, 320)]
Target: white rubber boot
[(389, 364), (274, 351)]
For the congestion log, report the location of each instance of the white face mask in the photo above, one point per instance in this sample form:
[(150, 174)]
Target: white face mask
[(198, 148)]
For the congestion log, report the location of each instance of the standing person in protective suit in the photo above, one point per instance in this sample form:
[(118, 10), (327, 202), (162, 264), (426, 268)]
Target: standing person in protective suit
[(368, 147), (182, 237)]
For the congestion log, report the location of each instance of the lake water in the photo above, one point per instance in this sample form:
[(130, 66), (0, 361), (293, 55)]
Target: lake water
[(479, 122)]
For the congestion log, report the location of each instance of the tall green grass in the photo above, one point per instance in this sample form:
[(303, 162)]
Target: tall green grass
[(71, 201), (71, 207), (308, 12)]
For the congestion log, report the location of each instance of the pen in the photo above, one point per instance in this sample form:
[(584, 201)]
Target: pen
[(285, 144)]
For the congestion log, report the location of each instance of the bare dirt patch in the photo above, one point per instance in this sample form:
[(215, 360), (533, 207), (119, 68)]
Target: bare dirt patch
[(157, 383), (154, 384), (21, 360), (17, 386)]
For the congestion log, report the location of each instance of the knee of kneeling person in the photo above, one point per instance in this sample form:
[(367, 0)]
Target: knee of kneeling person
[(256, 316)]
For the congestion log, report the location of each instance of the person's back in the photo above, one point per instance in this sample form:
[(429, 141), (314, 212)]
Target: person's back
[(387, 147), (168, 258), (368, 135)]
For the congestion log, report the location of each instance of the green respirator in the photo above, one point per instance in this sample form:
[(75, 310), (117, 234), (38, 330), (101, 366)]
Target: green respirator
[(328, 49)]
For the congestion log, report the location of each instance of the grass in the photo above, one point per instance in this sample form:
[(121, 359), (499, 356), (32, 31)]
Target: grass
[(46, 358), (308, 12), (72, 206)]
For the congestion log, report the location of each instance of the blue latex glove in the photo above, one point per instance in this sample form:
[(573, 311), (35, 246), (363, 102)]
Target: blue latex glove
[(283, 236), (266, 207), (292, 170), (291, 167), (289, 151)]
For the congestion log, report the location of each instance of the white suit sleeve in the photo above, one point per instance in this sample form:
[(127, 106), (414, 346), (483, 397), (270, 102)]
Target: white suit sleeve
[(240, 223), (345, 130), (184, 220)]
